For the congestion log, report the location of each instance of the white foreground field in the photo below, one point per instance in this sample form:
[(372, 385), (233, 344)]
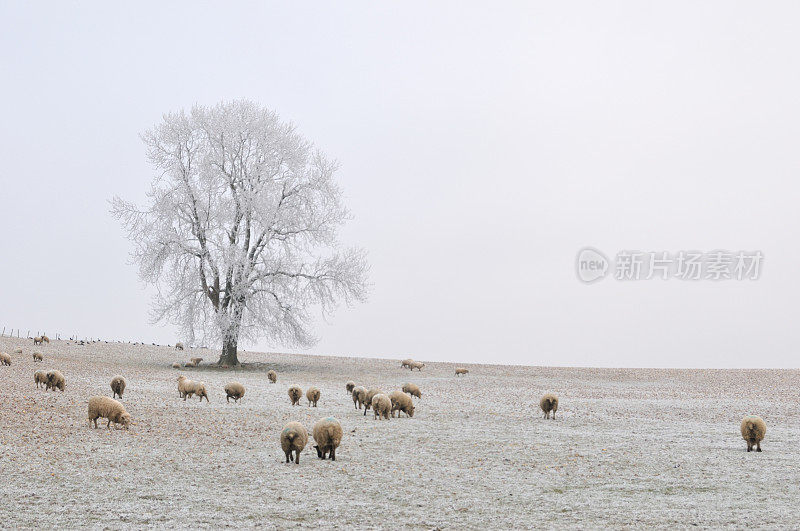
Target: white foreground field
[(628, 448)]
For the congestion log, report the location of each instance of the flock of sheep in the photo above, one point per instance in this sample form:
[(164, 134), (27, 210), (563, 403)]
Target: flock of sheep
[(327, 432)]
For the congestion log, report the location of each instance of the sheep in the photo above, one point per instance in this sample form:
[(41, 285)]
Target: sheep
[(548, 403), (37, 357), (5, 359), (108, 408), (295, 393), (188, 388), (359, 397), (381, 406), (753, 429), (118, 386), (412, 390), (293, 439), (368, 398), (178, 346), (461, 371), (405, 363), (56, 380), (327, 436), (349, 387), (272, 375), (196, 361), (401, 402), (234, 390), (40, 378), (312, 395), (176, 365), (45, 339), (37, 340), (416, 365)]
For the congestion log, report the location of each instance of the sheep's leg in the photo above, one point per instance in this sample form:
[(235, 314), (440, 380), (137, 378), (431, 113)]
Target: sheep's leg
[(333, 453), (749, 446), (109, 423), (758, 446), (554, 415), (297, 457), (288, 455)]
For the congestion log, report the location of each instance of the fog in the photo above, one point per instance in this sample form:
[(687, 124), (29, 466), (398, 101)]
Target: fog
[(481, 148)]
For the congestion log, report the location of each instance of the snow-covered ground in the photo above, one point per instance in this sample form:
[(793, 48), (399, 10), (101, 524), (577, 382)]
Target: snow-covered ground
[(634, 447)]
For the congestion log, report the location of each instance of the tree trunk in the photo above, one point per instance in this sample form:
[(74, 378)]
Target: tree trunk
[(229, 357)]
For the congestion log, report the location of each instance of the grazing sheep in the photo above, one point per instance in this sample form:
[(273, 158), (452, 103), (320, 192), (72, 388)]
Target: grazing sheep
[(368, 398), (5, 359), (178, 346), (37, 340), (406, 363), (196, 361), (176, 365), (37, 357), (412, 390), (548, 403), (108, 408), (359, 397), (45, 339), (293, 439), (40, 377), (188, 388), (312, 395), (56, 380), (416, 365), (327, 435), (349, 386), (401, 402), (234, 390), (753, 430), (295, 393), (381, 406), (272, 375), (118, 386), (461, 370)]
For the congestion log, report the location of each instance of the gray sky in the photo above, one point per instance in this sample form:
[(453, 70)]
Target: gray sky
[(481, 146)]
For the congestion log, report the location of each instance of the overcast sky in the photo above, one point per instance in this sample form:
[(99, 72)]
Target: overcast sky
[(482, 145)]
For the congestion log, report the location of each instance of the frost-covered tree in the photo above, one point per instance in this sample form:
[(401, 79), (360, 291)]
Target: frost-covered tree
[(239, 234)]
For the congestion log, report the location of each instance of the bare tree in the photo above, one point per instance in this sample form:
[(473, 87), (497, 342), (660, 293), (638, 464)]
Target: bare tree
[(239, 234)]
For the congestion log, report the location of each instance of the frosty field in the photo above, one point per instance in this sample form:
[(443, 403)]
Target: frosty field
[(629, 448)]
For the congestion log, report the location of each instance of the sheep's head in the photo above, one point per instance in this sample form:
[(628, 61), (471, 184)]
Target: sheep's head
[(125, 419), (411, 411)]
